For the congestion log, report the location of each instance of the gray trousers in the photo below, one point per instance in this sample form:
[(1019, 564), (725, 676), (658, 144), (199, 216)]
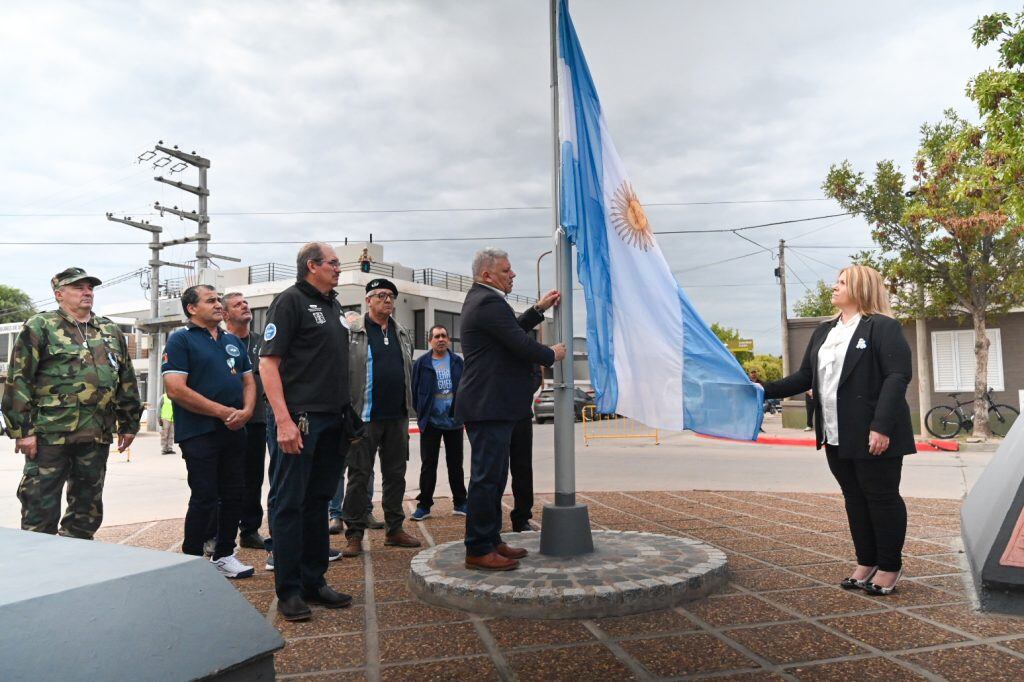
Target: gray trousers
[(391, 438)]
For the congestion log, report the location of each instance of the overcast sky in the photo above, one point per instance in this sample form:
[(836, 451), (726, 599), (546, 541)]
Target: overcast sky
[(339, 106)]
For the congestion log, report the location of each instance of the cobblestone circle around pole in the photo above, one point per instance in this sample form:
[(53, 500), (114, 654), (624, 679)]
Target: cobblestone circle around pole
[(628, 572)]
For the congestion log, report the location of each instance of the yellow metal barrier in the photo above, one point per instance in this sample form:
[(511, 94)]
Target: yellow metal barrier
[(597, 426)]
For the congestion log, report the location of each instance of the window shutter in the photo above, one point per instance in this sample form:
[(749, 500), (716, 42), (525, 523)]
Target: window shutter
[(966, 363), (943, 362), (995, 359)]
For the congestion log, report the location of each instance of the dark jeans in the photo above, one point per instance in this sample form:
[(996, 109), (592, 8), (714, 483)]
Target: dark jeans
[(520, 466), (874, 508), (488, 475), (255, 461), (301, 485), (430, 447), (391, 437), (215, 464)]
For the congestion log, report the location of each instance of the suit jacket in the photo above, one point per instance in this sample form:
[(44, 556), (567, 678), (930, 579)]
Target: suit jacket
[(497, 382), (872, 388)]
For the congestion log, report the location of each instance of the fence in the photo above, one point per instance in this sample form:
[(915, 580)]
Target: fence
[(597, 426), (456, 282)]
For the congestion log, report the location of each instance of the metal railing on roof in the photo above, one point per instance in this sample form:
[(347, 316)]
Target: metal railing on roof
[(455, 282)]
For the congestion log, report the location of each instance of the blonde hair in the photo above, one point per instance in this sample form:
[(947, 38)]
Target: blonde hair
[(865, 287)]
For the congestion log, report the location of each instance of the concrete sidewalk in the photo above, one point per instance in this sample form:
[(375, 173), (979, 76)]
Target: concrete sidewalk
[(153, 486)]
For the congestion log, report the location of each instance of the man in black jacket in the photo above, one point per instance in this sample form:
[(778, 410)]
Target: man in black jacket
[(495, 393)]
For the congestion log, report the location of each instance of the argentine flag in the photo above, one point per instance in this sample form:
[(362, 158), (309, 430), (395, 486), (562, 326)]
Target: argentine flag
[(652, 357)]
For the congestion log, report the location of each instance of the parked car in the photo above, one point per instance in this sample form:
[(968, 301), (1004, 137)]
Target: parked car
[(544, 404)]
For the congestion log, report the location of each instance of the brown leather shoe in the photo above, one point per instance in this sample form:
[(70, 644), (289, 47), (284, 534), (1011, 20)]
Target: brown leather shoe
[(353, 547), (510, 552), (491, 562), (401, 539)]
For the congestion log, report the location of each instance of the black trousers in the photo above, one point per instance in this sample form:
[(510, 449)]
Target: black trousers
[(215, 476), (302, 485), (488, 476), (391, 437), (809, 407), (255, 463), (521, 468), (874, 509), (430, 447)]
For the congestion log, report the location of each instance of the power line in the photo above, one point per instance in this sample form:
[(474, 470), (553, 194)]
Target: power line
[(442, 239), (717, 262), (351, 211)]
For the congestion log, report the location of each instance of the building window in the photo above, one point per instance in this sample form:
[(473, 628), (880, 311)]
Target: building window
[(419, 319), (953, 361), (450, 321)]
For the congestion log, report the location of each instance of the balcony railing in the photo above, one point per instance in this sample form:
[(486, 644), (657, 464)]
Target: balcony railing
[(456, 282)]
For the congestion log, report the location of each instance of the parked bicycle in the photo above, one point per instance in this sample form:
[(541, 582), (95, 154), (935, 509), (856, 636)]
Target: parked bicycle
[(944, 421)]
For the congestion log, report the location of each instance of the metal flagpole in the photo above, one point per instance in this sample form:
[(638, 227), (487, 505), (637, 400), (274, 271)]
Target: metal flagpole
[(566, 525)]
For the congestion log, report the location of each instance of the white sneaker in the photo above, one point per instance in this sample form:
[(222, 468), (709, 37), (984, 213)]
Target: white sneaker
[(231, 567)]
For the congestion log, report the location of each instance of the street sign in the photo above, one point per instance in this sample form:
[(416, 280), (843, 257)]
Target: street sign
[(741, 344)]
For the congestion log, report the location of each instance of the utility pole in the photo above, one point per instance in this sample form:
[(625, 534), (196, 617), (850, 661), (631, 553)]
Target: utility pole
[(155, 346), (158, 326), (780, 272)]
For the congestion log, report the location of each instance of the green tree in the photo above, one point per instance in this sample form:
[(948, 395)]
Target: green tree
[(948, 245), (768, 367), (730, 336), (817, 302), (15, 305)]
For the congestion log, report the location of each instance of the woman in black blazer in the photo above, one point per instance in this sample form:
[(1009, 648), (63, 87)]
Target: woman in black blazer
[(858, 366)]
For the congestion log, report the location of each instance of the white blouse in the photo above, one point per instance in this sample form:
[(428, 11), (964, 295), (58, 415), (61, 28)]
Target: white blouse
[(831, 356)]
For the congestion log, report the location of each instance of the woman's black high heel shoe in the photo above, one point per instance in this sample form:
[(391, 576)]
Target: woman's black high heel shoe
[(853, 583), (879, 591)]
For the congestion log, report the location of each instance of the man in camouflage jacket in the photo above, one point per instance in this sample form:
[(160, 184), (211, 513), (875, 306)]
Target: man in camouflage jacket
[(70, 387)]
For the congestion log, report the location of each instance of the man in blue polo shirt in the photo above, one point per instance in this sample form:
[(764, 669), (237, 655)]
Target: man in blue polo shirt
[(208, 377)]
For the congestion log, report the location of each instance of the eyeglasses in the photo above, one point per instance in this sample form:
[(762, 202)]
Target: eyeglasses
[(384, 296), (333, 263)]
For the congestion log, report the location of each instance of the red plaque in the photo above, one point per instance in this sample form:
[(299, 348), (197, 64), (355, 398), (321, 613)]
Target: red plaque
[(1013, 555)]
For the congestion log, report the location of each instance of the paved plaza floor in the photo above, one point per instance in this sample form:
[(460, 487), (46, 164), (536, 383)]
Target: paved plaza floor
[(781, 616)]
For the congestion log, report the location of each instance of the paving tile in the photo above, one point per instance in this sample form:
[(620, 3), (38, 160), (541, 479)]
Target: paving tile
[(261, 580), (736, 610), (353, 588), (740, 562), (391, 590), (570, 664), (321, 653), (770, 579), (260, 600), (757, 676), (432, 641), (391, 570), (861, 669), (400, 614), (953, 559), (654, 622), (324, 622), (830, 573), (892, 631), (794, 643), (911, 593), (751, 544), (686, 655), (918, 567), (514, 633), (791, 557), (1015, 644), (967, 619), (114, 534), (954, 584), (923, 547), (347, 676), (476, 668), (823, 601), (971, 663)]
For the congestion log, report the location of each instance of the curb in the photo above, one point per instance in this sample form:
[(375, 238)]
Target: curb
[(934, 445)]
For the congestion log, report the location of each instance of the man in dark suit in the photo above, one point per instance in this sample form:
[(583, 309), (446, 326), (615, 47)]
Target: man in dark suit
[(494, 394)]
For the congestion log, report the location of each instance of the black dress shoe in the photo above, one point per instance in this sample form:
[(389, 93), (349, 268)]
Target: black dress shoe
[(293, 608), (854, 584), (251, 539), (328, 597)]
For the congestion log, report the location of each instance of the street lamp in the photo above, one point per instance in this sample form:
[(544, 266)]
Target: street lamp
[(538, 272)]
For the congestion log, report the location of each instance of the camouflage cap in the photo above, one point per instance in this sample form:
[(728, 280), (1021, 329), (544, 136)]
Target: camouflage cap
[(71, 275)]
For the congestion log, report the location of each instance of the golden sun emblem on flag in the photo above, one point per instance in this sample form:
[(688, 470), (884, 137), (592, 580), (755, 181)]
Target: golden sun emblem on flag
[(629, 218)]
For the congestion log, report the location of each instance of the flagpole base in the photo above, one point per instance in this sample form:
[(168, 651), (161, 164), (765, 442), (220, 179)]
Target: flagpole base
[(565, 531)]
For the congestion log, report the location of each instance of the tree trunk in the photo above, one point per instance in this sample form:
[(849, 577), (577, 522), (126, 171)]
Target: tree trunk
[(924, 370), (981, 343)]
